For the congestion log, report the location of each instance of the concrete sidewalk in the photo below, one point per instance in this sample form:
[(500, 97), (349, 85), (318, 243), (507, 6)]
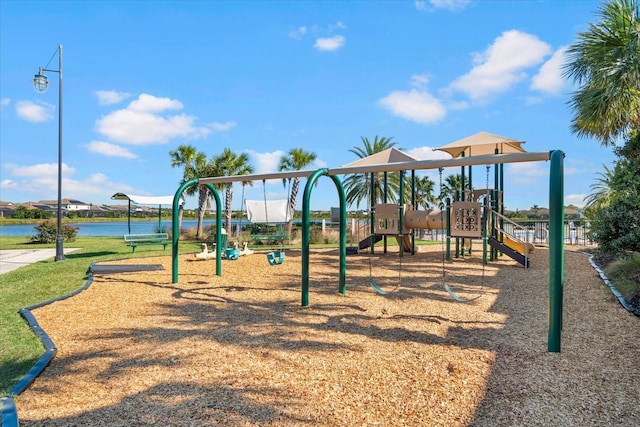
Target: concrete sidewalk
[(11, 259)]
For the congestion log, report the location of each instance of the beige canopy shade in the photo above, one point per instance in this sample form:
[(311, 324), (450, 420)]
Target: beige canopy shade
[(482, 144), (390, 155)]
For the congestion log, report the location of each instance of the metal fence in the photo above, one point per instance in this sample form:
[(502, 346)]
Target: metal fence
[(575, 232)]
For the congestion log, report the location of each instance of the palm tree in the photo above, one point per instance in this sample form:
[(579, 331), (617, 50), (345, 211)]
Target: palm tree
[(295, 160), (357, 186), (605, 62), (424, 192), (451, 185), (602, 190), (187, 157), (229, 163)]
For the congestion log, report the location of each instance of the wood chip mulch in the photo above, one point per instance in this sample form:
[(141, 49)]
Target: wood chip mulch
[(239, 350)]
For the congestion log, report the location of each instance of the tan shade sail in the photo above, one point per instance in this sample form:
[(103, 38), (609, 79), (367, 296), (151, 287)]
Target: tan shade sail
[(482, 144), (390, 155)]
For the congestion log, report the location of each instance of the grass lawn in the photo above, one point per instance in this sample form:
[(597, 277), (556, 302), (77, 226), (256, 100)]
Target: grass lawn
[(45, 280)]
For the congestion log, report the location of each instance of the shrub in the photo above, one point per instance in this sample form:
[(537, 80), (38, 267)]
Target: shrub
[(625, 273), (616, 225), (47, 232)]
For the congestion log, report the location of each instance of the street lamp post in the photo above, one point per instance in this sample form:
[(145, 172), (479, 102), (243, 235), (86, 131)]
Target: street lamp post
[(41, 83)]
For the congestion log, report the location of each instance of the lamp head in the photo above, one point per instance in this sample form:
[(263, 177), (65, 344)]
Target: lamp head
[(40, 81)]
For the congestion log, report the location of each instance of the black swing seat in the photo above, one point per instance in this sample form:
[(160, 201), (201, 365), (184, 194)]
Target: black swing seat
[(276, 257)]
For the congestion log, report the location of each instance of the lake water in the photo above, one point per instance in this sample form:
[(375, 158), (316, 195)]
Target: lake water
[(106, 229), (116, 229)]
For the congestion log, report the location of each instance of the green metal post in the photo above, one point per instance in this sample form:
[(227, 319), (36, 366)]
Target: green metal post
[(485, 231), (372, 214), (413, 206), (219, 242), (401, 215), (385, 199), (175, 228), (306, 209), (448, 231), (556, 250)]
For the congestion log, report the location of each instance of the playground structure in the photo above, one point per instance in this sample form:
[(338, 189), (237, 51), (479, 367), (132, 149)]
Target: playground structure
[(556, 215)]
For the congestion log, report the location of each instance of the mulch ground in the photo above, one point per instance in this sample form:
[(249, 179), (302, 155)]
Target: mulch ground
[(136, 349)]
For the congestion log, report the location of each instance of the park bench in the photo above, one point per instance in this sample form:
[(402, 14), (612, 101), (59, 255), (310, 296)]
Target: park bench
[(278, 236), (135, 240)]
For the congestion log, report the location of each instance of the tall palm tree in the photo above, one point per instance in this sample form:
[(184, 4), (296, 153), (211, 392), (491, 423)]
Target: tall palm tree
[(295, 160), (189, 158), (229, 163), (424, 192), (602, 190), (357, 186), (451, 185), (605, 62)]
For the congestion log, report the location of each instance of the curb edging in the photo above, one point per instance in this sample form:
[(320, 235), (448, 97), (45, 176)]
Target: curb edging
[(8, 413), (613, 289)]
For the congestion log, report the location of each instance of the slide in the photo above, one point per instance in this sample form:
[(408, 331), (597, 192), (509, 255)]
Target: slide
[(406, 242), (366, 242), (515, 245)]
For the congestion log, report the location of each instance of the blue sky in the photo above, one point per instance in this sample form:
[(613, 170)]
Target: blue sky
[(263, 77)]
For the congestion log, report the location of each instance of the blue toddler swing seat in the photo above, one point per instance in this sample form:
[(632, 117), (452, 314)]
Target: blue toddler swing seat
[(276, 257), (270, 212)]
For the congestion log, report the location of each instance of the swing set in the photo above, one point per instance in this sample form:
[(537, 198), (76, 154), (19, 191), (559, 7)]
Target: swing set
[(271, 212), (556, 216)]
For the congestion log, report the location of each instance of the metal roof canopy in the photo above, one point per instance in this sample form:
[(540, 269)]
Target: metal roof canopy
[(391, 167), (144, 200), (482, 143)]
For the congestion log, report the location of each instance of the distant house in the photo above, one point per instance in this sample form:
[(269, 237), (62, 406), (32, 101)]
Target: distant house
[(7, 209), (68, 205)]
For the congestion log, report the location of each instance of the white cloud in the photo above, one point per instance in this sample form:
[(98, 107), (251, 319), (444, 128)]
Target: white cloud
[(34, 112), (265, 162), (222, 127), (549, 78), (41, 182), (40, 170), (4, 102), (110, 97), (419, 80), (501, 65), (441, 4), (110, 150), (427, 153), (141, 122), (415, 105), (575, 199), (450, 4), (152, 104), (337, 26), (527, 173), (330, 43), (298, 33), (8, 184)]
